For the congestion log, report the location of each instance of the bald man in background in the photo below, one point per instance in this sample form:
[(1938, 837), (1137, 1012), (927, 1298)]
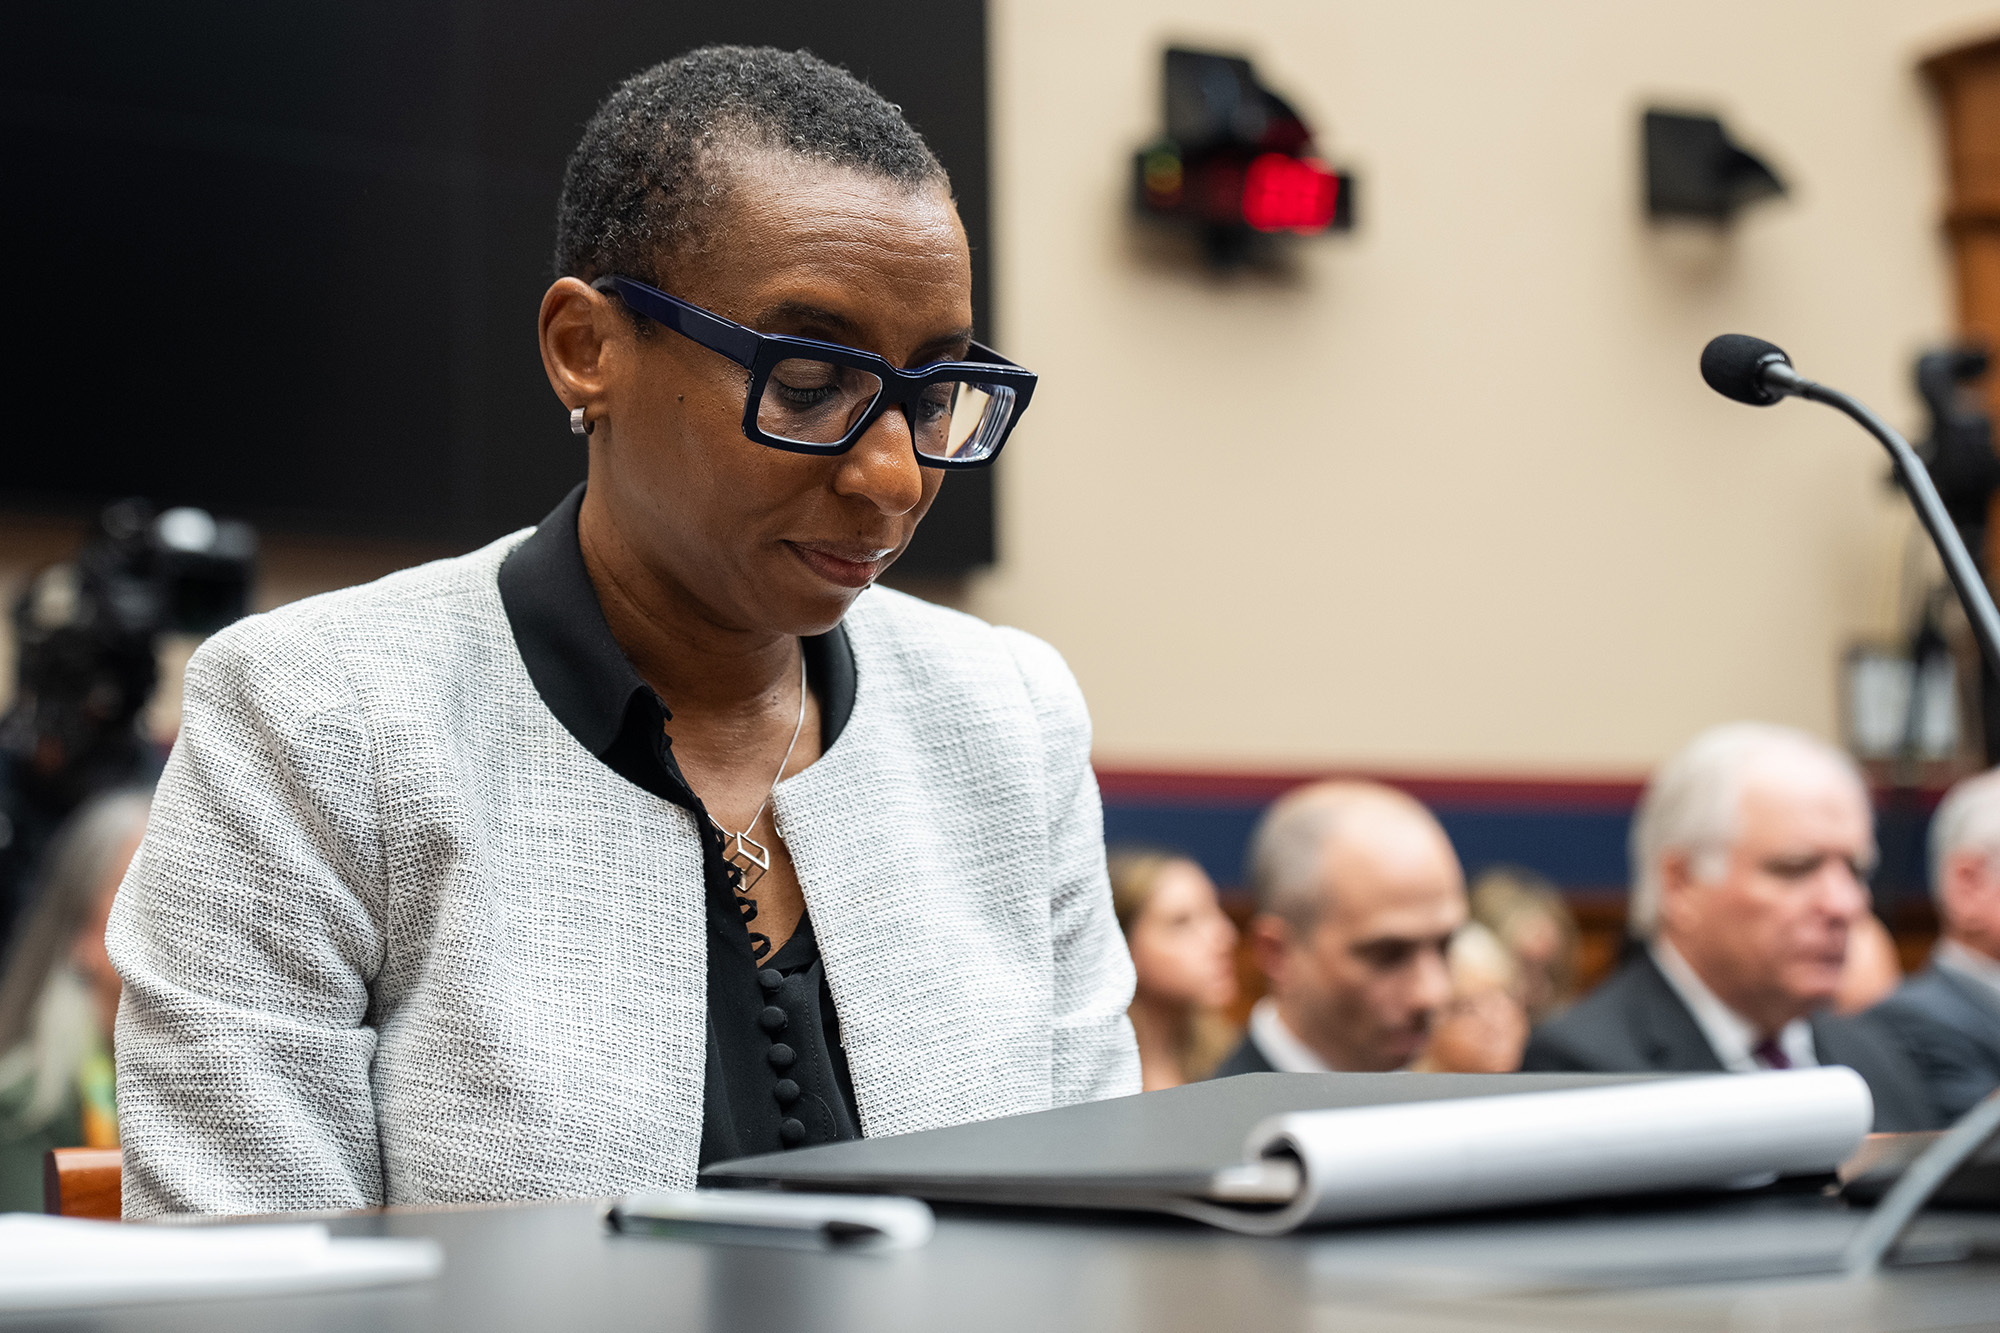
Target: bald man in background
[(1358, 896)]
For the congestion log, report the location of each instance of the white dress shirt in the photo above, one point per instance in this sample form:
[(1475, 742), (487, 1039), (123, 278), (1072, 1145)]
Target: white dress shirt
[(1732, 1037), (1279, 1044)]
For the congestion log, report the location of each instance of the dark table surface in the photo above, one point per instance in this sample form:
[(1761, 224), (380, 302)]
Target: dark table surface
[(555, 1265)]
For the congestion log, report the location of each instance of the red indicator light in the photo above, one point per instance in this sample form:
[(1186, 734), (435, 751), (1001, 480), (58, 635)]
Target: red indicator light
[(1283, 193)]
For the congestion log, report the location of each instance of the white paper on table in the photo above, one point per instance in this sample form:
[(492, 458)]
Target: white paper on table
[(54, 1262), (1475, 1152)]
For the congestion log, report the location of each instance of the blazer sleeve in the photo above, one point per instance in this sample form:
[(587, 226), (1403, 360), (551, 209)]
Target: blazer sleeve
[(1547, 1053), (247, 932), (1956, 1072), (1093, 1052)]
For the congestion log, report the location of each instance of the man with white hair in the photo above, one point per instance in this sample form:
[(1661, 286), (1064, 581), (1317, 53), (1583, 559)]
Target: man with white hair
[(1358, 895), (1749, 850), (1947, 1017)]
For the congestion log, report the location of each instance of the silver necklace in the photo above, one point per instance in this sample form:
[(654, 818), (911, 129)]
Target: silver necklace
[(744, 852)]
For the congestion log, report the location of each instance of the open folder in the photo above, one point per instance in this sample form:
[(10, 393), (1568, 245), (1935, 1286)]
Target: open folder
[(1267, 1153)]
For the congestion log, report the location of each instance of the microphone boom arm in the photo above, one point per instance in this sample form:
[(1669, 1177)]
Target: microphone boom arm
[(1916, 481)]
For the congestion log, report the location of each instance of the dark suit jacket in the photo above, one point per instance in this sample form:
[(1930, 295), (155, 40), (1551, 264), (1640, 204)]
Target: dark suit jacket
[(1635, 1023), (1247, 1058), (1950, 1027)]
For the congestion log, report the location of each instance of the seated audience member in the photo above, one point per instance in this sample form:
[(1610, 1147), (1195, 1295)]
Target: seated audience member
[(1484, 1025), (654, 836), (1947, 1017), (59, 998), (1358, 895), (1872, 970), (1526, 912), (1184, 955), (1748, 851)]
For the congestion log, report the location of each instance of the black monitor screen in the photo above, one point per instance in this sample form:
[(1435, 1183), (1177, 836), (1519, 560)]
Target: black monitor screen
[(283, 261)]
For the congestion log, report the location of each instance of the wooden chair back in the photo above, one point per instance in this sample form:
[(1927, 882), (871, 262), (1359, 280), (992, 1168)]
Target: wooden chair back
[(84, 1182)]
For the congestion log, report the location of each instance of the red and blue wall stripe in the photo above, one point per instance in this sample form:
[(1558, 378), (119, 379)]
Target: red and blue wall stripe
[(1573, 831)]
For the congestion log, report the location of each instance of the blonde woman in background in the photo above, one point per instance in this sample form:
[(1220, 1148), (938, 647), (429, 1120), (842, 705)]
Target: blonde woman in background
[(1484, 1027), (59, 999), (1527, 914), (1184, 951)]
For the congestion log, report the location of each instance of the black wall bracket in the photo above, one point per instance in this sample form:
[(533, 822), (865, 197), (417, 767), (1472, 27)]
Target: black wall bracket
[(1695, 170)]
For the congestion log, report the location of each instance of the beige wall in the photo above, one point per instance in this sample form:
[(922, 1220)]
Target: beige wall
[(1455, 498)]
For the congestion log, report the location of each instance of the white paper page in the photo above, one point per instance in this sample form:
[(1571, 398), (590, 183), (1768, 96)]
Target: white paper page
[(54, 1262), (1429, 1157)]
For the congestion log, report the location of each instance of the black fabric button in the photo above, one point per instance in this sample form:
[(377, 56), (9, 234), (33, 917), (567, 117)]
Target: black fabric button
[(773, 1020), (786, 1092), (780, 1056), (770, 980), (792, 1132)]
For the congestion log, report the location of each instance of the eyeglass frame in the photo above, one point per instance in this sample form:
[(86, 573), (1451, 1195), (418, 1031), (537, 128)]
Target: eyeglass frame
[(761, 353)]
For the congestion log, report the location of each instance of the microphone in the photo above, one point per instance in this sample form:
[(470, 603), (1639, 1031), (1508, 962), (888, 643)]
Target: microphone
[(1753, 371), (1748, 369)]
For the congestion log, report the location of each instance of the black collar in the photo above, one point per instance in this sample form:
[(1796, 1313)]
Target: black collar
[(592, 687)]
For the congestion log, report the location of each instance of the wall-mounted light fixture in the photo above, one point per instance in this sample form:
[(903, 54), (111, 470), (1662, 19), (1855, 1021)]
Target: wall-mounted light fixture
[(1695, 170), (1236, 162)]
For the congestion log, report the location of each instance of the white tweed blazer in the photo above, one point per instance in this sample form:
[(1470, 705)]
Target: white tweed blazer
[(394, 936)]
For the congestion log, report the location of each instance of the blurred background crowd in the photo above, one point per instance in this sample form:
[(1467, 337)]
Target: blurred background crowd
[(1751, 940), (1473, 690)]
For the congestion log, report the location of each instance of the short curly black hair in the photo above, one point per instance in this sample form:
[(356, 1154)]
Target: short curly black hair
[(637, 190)]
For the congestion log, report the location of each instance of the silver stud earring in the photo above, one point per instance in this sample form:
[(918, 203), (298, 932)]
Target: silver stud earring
[(577, 425)]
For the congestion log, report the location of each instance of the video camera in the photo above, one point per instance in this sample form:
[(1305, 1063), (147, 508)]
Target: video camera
[(87, 634)]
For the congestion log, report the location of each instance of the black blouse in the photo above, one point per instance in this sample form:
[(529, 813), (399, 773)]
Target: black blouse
[(776, 1075)]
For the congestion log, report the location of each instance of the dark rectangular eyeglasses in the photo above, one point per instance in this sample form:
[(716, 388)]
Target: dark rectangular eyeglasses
[(813, 397)]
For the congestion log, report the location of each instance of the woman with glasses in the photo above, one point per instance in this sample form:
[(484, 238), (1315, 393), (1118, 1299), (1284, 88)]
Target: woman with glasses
[(657, 835)]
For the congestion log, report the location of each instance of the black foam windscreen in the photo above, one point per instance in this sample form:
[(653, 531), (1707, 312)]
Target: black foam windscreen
[(1733, 365)]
